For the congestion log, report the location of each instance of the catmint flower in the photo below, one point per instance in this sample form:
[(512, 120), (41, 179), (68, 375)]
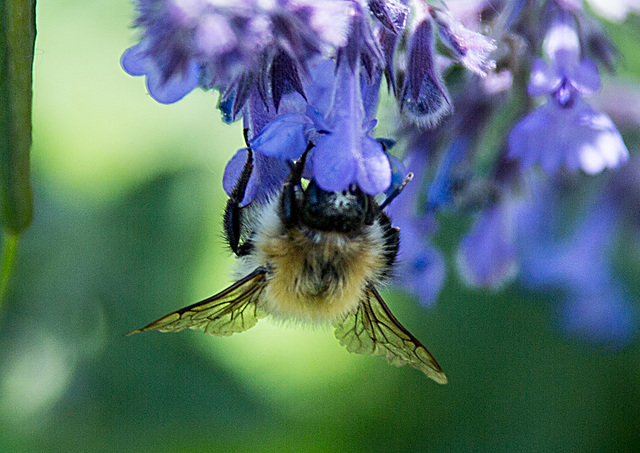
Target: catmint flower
[(346, 153), (343, 150), (424, 98), (469, 48), (487, 254), (566, 130), (164, 87)]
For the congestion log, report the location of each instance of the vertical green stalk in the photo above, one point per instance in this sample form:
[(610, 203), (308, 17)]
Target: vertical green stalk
[(17, 39), (9, 246), (17, 42)]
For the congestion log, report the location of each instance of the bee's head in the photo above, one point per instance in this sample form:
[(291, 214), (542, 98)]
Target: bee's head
[(343, 212)]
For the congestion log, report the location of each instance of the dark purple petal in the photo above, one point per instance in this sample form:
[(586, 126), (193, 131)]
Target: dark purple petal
[(176, 87), (345, 153), (284, 78), (134, 60), (272, 175), (391, 13), (388, 43), (424, 97)]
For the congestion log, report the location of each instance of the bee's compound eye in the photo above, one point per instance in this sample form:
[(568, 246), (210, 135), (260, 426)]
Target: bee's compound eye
[(353, 189)]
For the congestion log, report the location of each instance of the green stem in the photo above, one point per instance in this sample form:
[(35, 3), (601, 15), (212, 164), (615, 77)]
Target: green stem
[(9, 246)]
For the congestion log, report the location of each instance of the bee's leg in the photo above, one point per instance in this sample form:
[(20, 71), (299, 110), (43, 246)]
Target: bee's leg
[(233, 211), (289, 204)]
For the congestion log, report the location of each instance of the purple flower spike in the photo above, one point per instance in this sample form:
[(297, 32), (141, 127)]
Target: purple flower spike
[(424, 97), (470, 48), (232, 43), (487, 255), (136, 61)]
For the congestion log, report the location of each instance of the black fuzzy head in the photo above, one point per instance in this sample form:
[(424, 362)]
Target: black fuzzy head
[(342, 212)]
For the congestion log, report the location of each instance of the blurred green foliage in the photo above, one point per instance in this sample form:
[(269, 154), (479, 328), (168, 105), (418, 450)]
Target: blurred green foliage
[(127, 228)]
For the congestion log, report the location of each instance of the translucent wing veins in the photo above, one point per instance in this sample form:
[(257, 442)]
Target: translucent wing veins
[(232, 310), (372, 329)]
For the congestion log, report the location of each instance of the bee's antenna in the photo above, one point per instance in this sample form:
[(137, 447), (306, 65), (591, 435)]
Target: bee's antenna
[(395, 193)]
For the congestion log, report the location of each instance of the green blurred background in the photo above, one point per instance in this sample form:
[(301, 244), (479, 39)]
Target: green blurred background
[(127, 227)]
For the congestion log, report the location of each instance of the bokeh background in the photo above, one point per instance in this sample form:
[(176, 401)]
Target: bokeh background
[(127, 227)]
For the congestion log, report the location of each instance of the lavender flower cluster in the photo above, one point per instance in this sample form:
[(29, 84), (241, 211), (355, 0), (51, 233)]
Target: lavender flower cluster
[(493, 120)]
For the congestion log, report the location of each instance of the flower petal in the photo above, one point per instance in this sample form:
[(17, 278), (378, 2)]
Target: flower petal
[(374, 170), (283, 138)]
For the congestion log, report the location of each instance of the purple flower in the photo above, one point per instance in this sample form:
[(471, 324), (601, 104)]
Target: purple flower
[(229, 41), (266, 178), (343, 152), (487, 255), (595, 305), (346, 153), (566, 130), (421, 268), (579, 137), (604, 316), (284, 138), (470, 48), (391, 13), (423, 97), (136, 61)]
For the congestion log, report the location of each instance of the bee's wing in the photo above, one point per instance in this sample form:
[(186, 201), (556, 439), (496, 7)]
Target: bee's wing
[(232, 310), (372, 329)]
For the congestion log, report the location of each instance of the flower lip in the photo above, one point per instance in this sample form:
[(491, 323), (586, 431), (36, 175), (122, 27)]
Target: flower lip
[(137, 61)]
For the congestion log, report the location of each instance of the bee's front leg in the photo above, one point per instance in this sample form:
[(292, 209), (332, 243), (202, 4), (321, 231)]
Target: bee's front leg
[(289, 204), (233, 212)]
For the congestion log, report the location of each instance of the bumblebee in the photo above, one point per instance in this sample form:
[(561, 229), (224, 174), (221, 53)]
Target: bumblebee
[(313, 256)]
